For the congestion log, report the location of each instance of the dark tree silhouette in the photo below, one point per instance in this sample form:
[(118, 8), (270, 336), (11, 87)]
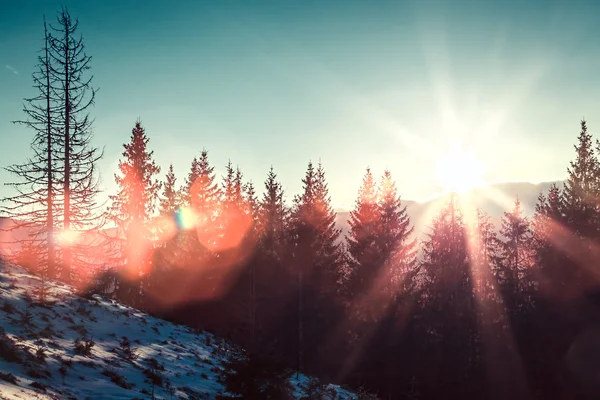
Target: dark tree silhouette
[(33, 211), (79, 177), (169, 200), (131, 210), (317, 260)]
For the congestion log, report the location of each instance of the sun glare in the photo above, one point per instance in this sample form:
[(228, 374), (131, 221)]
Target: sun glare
[(67, 237), (459, 170)]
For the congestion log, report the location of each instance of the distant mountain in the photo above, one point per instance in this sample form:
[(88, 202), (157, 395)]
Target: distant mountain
[(494, 199)]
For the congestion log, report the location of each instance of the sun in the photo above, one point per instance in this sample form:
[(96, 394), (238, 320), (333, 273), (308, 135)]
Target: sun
[(459, 170)]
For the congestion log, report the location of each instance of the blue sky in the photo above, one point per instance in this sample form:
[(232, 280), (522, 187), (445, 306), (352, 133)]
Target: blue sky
[(385, 84)]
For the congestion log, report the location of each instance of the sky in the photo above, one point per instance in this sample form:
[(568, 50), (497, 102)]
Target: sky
[(354, 84)]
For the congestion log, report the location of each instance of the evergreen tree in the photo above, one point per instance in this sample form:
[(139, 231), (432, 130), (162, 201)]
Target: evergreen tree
[(317, 258), (201, 193), (272, 216), (448, 321), (484, 253), (234, 219), (328, 268), (75, 96), (132, 209), (273, 281), (581, 187), (365, 225), (551, 240), (396, 247), (252, 205), (514, 257), (169, 201)]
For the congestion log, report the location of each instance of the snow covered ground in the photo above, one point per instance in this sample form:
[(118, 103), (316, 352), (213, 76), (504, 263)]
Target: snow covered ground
[(40, 359)]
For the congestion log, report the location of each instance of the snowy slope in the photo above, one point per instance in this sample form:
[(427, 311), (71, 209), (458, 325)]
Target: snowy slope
[(38, 357)]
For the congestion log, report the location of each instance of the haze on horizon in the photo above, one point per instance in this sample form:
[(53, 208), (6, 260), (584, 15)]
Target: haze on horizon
[(394, 85)]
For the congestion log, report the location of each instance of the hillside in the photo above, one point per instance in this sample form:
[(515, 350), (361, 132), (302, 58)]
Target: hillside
[(43, 351)]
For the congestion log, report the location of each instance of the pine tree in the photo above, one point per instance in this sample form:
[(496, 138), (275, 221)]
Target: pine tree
[(132, 209), (273, 275), (329, 261), (33, 208), (396, 247), (581, 187), (75, 96), (169, 201), (551, 243), (448, 321), (201, 193), (272, 216), (484, 251), (365, 225), (252, 206), (317, 255), (514, 257), (235, 221)]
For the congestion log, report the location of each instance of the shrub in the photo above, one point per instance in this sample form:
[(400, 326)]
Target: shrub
[(127, 353), (40, 352), (117, 379), (8, 307), (83, 346), (9, 351), (39, 385), (81, 329), (8, 377), (153, 373), (26, 317)]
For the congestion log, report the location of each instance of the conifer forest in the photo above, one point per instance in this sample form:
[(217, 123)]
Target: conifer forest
[(474, 308)]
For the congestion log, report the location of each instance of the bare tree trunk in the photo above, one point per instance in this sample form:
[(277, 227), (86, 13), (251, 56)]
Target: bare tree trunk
[(50, 196), (67, 178), (253, 302), (300, 325)]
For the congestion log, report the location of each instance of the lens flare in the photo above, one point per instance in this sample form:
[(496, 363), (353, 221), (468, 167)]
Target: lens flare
[(186, 218)]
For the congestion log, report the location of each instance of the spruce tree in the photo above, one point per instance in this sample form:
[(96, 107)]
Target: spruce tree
[(329, 252), (515, 258), (484, 253), (201, 193), (272, 216), (317, 257), (252, 205), (552, 243), (274, 279), (448, 321), (168, 249), (581, 187), (233, 216), (131, 210), (362, 238), (169, 201), (396, 246)]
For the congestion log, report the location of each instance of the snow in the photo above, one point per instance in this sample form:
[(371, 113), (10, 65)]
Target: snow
[(191, 360)]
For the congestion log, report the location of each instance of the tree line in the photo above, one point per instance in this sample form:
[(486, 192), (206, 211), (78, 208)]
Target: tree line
[(472, 311)]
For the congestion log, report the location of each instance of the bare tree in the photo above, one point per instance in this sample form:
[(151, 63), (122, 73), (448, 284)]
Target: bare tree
[(32, 208), (75, 95)]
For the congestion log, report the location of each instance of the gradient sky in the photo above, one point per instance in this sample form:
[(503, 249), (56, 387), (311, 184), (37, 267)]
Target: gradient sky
[(383, 84)]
